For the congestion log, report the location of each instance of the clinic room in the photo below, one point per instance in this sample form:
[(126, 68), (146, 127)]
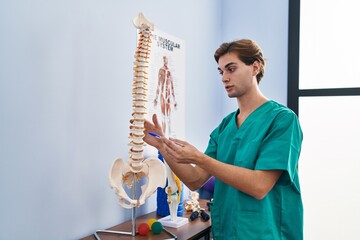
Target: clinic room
[(207, 119)]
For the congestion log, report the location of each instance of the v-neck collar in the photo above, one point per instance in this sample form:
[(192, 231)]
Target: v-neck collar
[(251, 115)]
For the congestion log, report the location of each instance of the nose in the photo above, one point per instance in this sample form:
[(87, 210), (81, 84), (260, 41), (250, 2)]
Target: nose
[(225, 78)]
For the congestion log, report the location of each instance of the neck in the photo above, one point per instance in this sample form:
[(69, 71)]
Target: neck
[(250, 101)]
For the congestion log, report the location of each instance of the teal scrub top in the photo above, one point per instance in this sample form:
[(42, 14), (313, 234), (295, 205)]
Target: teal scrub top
[(269, 139)]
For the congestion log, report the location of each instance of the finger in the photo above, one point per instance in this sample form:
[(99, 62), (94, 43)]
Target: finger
[(148, 126), (178, 142), (175, 155), (171, 153), (170, 144), (156, 121)]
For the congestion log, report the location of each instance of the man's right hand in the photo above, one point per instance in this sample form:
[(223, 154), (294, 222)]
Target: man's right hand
[(154, 127)]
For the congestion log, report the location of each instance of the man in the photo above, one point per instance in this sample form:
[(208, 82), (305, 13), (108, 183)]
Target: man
[(253, 154)]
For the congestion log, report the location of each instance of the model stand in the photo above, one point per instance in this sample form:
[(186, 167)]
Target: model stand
[(133, 223), (133, 220)]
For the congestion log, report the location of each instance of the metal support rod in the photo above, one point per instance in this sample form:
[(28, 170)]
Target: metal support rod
[(133, 218), (170, 233), (133, 210)]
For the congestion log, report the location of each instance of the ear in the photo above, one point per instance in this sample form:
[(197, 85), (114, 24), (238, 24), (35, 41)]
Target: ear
[(256, 68)]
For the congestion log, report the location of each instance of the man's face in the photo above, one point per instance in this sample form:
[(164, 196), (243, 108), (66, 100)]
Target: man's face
[(237, 77)]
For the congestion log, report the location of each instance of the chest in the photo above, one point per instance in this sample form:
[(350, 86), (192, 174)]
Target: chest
[(242, 146), (240, 119)]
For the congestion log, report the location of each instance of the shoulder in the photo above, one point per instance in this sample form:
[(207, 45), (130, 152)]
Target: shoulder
[(214, 135), (227, 119), (284, 118), (224, 123), (280, 111)]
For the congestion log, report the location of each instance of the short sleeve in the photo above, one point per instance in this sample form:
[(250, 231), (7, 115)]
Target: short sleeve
[(211, 149), (281, 147)]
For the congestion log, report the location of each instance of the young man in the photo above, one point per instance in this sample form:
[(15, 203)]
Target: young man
[(253, 154)]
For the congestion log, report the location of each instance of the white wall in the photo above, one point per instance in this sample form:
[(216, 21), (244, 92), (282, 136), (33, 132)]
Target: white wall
[(66, 75), (65, 99)]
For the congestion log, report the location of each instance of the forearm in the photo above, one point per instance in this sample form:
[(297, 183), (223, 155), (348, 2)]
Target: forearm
[(256, 183)]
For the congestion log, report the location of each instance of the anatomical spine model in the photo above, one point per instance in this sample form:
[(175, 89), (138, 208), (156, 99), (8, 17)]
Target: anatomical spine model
[(151, 168)]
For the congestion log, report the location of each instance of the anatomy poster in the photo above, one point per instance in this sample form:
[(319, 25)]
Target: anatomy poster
[(166, 83)]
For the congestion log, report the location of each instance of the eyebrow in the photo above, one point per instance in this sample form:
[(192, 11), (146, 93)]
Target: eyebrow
[(227, 65)]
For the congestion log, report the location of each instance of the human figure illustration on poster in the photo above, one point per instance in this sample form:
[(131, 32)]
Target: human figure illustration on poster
[(166, 93)]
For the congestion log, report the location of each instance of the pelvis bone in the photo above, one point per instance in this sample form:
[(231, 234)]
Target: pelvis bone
[(122, 173)]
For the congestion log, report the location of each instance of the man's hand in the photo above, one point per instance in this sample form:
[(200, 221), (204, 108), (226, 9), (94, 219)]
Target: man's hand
[(181, 151), (154, 127)]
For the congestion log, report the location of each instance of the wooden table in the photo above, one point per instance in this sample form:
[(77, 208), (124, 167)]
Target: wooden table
[(192, 230)]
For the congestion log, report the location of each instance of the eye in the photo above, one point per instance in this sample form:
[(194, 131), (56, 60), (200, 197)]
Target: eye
[(221, 73), (232, 69)]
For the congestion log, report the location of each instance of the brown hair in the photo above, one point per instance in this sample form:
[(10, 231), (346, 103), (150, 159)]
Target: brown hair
[(248, 51)]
